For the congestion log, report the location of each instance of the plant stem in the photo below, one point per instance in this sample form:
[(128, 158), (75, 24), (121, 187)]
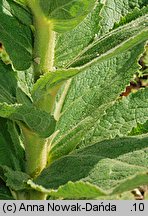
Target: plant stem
[(30, 195), (43, 47), (36, 195), (36, 148), (36, 152), (44, 41)]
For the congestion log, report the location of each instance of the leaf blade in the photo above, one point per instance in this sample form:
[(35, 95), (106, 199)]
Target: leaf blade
[(67, 14), (16, 38), (71, 190), (84, 103), (132, 183), (37, 120), (99, 164), (9, 149)]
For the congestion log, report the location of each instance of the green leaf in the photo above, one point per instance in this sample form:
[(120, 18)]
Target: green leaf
[(19, 12), (99, 164), (122, 117), (110, 41), (20, 1), (66, 14), (132, 16), (70, 44), (16, 37), (84, 103), (5, 193), (17, 142), (11, 151), (74, 44), (78, 190), (132, 183), (22, 98), (7, 84), (140, 129), (71, 190), (15, 180), (124, 196), (37, 120), (47, 86), (113, 11), (25, 81)]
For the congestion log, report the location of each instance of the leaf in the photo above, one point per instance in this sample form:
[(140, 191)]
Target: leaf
[(124, 196), (132, 183), (70, 44), (8, 84), (99, 164), (112, 12), (22, 98), (15, 180), (71, 190), (5, 193), (66, 14), (25, 81), (19, 12), (23, 2), (110, 41), (16, 37), (11, 152), (140, 129), (17, 142), (122, 116), (78, 190), (37, 120), (132, 16), (47, 86), (84, 103)]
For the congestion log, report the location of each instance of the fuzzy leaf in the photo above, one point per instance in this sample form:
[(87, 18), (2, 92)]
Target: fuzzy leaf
[(48, 85), (113, 11), (15, 180), (72, 45), (71, 190), (84, 104), (122, 116), (99, 164), (37, 120), (19, 12), (132, 183), (8, 84), (17, 142), (110, 41), (11, 152), (66, 14), (137, 12), (140, 129), (78, 190), (16, 37), (5, 193)]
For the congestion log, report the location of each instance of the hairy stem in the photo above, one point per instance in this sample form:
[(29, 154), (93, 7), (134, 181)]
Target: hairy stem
[(36, 148), (36, 152), (30, 195), (44, 41)]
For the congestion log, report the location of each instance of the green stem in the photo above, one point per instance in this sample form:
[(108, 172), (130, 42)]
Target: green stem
[(36, 195), (36, 149), (44, 41), (30, 195)]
